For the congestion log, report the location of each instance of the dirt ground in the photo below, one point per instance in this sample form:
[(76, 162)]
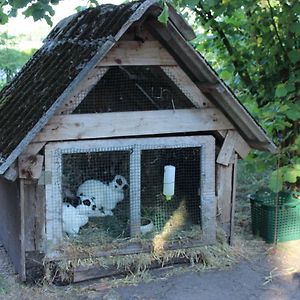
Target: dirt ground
[(267, 274)]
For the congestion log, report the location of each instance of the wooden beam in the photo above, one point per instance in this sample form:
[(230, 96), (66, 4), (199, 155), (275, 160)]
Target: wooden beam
[(233, 196), (241, 147), (224, 193), (11, 173), (177, 20), (187, 86), (91, 126), (233, 142), (30, 167), (34, 215), (33, 148), (134, 53), (181, 24), (227, 149)]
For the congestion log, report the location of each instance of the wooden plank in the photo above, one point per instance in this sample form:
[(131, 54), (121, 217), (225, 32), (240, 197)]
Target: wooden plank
[(187, 86), (227, 148), (83, 273), (222, 133), (33, 148), (181, 24), (22, 231), (241, 147), (135, 193), (233, 198), (91, 126), (208, 195), (233, 142), (11, 173), (224, 194), (136, 53), (133, 248), (34, 215), (80, 92), (10, 224), (53, 217), (30, 167)]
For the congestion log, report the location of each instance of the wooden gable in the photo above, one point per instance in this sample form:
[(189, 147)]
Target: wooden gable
[(202, 116)]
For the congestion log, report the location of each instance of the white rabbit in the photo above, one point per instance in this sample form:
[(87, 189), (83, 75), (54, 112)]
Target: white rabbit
[(105, 196), (87, 206), (72, 219)]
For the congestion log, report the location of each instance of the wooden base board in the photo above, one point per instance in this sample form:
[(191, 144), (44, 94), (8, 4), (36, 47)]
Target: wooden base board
[(95, 272), (36, 264)]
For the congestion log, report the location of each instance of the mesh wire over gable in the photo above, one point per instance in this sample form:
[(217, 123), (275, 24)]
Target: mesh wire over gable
[(133, 89)]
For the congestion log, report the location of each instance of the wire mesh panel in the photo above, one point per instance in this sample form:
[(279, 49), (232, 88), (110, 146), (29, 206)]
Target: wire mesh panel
[(104, 193), (133, 89), (95, 191), (178, 214)]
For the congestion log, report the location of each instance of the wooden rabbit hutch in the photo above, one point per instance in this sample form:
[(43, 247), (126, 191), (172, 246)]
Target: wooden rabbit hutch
[(115, 132)]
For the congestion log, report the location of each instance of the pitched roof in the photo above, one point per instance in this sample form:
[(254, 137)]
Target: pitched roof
[(75, 46)]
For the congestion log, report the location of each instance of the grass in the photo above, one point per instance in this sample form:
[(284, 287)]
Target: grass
[(4, 286)]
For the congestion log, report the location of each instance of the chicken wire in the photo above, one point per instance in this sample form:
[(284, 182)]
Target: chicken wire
[(95, 187), (78, 168), (182, 211), (133, 89), (95, 191)]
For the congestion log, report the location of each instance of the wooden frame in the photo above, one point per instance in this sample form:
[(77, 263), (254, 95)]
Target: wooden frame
[(54, 152), (118, 124), (128, 53)]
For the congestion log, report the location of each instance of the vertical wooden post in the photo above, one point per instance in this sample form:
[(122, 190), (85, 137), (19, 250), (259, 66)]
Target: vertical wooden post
[(208, 196), (22, 237), (53, 175), (135, 192), (226, 191), (32, 199), (234, 173)]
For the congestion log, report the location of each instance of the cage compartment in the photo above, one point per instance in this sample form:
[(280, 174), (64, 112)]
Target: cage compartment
[(133, 89), (180, 216), (95, 196), (141, 162)]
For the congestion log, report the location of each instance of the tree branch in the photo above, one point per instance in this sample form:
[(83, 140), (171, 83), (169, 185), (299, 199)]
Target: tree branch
[(277, 33), (243, 73)]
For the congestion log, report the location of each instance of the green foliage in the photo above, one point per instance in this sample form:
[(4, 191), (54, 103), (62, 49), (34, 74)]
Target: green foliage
[(90, 3), (11, 59), (38, 9), (255, 48), (164, 16)]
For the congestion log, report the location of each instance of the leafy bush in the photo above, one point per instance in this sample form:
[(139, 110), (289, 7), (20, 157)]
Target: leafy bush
[(254, 46)]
